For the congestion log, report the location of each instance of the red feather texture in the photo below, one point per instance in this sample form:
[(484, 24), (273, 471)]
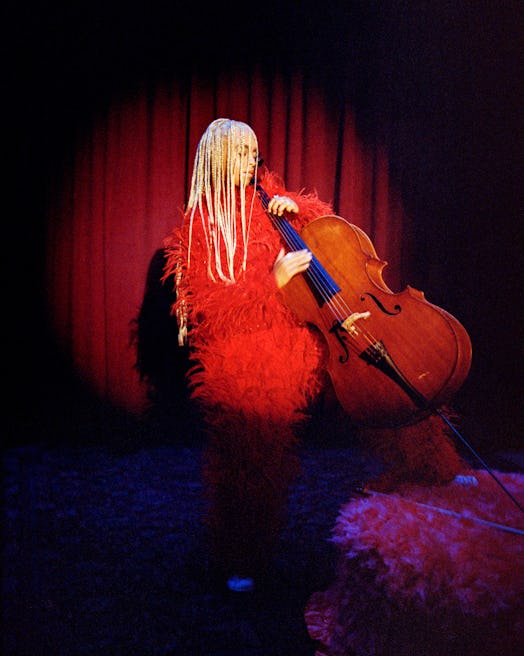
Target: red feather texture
[(422, 453), (253, 356), (257, 371), (414, 580)]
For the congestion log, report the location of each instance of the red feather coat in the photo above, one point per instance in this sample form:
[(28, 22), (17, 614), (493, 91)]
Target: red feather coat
[(257, 371)]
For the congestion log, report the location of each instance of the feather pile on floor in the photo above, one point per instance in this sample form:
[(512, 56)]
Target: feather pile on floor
[(427, 570)]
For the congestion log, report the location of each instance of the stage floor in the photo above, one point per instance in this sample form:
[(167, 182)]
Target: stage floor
[(103, 553)]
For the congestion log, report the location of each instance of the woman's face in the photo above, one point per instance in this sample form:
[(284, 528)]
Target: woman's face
[(245, 164)]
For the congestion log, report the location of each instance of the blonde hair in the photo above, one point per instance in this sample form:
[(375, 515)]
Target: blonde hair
[(214, 193)]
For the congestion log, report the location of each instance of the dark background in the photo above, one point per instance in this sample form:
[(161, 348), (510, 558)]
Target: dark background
[(438, 82)]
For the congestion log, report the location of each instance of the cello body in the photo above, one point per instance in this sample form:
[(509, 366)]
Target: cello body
[(399, 357)]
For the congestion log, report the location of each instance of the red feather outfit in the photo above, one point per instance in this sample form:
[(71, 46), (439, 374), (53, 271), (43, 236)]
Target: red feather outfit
[(257, 372)]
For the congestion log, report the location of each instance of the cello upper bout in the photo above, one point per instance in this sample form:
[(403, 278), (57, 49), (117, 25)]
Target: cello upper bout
[(365, 242), (415, 293), (375, 266)]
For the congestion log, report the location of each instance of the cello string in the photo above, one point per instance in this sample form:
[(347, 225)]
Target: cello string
[(318, 276), (321, 283), (328, 290), (295, 242), (321, 279), (316, 271)]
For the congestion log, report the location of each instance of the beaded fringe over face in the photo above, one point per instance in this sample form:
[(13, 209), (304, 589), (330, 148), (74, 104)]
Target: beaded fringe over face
[(222, 155)]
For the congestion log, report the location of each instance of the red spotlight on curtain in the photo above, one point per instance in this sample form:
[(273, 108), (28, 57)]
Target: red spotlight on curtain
[(126, 186)]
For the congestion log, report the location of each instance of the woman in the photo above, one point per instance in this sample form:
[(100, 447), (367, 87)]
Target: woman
[(257, 369)]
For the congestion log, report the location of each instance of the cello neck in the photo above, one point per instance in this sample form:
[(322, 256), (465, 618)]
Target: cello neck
[(290, 236), (320, 282)]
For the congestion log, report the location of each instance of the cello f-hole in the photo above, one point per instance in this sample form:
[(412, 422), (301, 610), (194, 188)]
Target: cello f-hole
[(397, 307)]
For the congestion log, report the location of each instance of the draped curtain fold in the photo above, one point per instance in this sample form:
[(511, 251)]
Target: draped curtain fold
[(127, 182)]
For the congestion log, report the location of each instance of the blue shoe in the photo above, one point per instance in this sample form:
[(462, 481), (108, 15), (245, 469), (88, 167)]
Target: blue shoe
[(240, 584), (466, 480)]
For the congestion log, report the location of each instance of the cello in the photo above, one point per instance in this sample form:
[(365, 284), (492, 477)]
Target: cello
[(393, 358)]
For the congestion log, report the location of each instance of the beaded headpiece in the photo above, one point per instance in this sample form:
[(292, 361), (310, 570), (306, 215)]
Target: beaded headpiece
[(214, 193)]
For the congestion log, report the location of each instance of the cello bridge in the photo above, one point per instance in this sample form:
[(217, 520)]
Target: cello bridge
[(349, 323)]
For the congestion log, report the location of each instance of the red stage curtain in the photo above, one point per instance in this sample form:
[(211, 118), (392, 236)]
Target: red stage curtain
[(127, 182)]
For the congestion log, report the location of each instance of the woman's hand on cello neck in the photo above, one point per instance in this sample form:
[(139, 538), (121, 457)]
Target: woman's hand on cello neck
[(280, 204), (290, 264)]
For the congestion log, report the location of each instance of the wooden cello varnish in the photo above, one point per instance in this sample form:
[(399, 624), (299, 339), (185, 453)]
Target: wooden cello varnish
[(392, 357)]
